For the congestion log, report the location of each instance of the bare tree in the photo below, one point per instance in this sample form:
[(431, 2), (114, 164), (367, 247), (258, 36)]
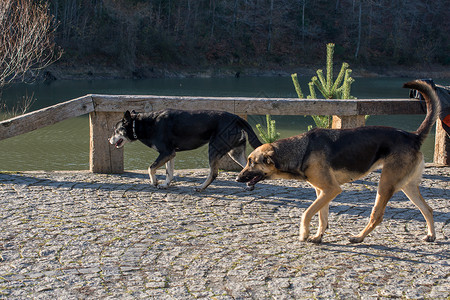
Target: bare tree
[(26, 39)]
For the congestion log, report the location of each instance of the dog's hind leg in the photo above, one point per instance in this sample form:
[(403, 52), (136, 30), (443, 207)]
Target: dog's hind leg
[(213, 172), (216, 150), (411, 190), (238, 155), (169, 174), (386, 188)]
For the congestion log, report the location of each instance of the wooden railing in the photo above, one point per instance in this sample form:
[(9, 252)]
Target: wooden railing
[(106, 110)]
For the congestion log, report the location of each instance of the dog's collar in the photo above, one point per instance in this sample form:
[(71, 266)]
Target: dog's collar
[(134, 130)]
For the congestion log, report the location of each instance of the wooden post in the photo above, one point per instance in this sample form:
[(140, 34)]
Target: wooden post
[(442, 146), (104, 157), (341, 122)]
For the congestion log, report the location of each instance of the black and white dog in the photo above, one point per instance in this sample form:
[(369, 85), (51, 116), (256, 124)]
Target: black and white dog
[(169, 131)]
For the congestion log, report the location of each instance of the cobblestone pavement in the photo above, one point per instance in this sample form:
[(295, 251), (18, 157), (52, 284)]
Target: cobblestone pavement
[(68, 235)]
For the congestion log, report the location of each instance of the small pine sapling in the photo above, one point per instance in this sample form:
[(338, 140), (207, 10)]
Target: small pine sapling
[(271, 134), (326, 86)]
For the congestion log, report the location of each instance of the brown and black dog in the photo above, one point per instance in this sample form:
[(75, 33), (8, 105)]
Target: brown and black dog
[(327, 158)]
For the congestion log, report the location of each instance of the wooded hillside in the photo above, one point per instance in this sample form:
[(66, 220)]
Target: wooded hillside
[(186, 33)]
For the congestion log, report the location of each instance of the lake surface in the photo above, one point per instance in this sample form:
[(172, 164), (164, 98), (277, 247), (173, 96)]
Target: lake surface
[(65, 146)]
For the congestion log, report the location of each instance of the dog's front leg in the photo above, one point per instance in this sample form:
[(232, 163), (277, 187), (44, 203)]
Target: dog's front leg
[(152, 175), (160, 160), (320, 204), (323, 222), (169, 174)]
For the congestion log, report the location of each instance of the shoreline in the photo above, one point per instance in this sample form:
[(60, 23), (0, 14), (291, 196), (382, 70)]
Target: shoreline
[(96, 72)]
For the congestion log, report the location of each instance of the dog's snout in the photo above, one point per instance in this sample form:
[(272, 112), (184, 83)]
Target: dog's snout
[(242, 177)]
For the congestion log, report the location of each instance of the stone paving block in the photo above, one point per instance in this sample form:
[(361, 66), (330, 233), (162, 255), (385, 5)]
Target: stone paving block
[(71, 235)]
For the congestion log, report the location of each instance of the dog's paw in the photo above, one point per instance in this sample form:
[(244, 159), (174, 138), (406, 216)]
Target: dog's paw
[(429, 238), (304, 234), (317, 239), (355, 239), (303, 237), (198, 189), (162, 186), (249, 187)]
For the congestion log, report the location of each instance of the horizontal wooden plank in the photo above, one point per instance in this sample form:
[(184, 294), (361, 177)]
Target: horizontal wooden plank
[(46, 116), (121, 103), (391, 107), (238, 105), (255, 106), (294, 107)]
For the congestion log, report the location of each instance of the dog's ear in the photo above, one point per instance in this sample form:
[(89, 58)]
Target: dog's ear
[(134, 114), (270, 159), (127, 116)]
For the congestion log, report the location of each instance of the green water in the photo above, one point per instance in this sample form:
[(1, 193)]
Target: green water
[(65, 146)]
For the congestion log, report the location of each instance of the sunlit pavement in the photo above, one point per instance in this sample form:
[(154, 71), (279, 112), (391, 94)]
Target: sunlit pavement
[(80, 235)]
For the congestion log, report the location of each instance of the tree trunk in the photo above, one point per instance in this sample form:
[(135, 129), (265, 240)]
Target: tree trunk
[(233, 33), (269, 37), (358, 43), (213, 16), (303, 23)]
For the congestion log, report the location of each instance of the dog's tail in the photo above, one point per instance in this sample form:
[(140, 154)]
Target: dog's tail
[(252, 138), (433, 106)]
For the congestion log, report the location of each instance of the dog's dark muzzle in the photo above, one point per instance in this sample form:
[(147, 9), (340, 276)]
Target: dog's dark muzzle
[(243, 178), (250, 177)]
